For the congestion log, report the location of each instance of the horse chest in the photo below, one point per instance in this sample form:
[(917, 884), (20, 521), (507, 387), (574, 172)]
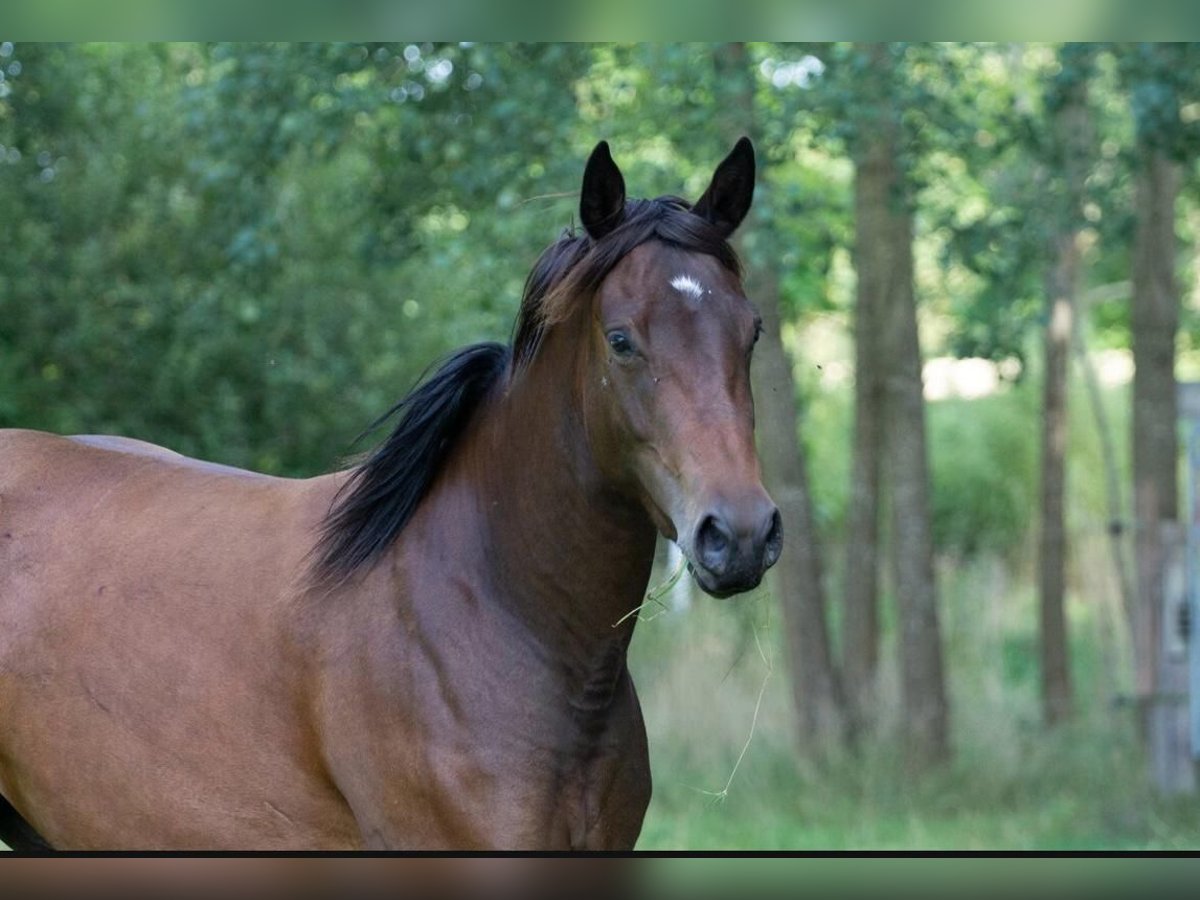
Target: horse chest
[(602, 788), (606, 798), (569, 779), (567, 792)]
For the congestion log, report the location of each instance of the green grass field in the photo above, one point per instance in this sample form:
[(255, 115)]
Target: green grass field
[(1010, 786)]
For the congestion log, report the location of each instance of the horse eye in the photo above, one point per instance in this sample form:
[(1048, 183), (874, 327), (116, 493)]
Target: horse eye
[(620, 343), (758, 330)]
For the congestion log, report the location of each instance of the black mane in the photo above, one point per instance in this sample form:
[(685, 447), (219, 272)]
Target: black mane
[(384, 491)]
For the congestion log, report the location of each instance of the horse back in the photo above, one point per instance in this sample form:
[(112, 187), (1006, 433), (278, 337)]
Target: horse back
[(73, 501)]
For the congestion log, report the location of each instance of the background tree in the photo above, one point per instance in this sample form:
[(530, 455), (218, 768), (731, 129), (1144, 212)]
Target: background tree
[(875, 195), (1028, 249), (886, 109), (1069, 147), (1161, 78)]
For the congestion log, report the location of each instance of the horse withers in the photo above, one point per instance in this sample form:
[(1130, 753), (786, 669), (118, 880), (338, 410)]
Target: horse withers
[(427, 650)]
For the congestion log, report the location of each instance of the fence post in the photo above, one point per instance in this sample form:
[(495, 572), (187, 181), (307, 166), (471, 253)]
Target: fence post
[(1170, 713), (1192, 568)]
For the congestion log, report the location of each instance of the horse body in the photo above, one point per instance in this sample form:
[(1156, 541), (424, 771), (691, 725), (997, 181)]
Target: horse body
[(147, 687), (152, 622), (427, 650)]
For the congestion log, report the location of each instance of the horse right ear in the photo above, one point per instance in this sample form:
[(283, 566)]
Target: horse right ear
[(602, 200)]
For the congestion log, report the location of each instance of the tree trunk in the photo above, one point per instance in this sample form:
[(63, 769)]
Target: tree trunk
[(796, 578), (1155, 322), (883, 194), (1070, 128), (1061, 283), (860, 625), (923, 686)]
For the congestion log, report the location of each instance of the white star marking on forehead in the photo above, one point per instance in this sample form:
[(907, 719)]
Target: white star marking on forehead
[(686, 284)]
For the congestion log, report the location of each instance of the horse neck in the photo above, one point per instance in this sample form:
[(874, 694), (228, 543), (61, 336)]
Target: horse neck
[(572, 553)]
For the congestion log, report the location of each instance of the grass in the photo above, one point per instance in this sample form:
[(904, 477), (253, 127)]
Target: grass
[(1011, 785)]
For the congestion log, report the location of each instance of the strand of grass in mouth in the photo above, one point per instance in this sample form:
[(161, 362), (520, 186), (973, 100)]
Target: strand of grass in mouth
[(655, 595)]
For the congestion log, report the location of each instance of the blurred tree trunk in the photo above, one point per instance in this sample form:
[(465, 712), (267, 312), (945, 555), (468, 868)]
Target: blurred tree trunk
[(884, 198), (1155, 320), (1061, 283), (860, 626), (1070, 143), (923, 685), (796, 577)]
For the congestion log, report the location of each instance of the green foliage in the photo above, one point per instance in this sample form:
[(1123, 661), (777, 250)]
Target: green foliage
[(984, 464), (984, 469), (246, 252), (1031, 176), (1163, 78), (983, 456)]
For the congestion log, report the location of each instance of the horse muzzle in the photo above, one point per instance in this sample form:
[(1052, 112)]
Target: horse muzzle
[(732, 548)]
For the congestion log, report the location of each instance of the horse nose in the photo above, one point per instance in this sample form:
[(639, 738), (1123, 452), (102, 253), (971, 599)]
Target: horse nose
[(737, 545), (773, 539), (714, 545)]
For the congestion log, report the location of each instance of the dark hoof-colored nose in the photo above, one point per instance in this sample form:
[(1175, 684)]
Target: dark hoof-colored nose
[(732, 552)]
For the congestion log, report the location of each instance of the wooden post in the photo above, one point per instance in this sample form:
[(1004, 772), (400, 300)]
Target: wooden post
[(1170, 714), (1192, 565), (1188, 398)]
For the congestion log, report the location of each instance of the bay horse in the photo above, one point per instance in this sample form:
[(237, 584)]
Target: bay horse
[(428, 649)]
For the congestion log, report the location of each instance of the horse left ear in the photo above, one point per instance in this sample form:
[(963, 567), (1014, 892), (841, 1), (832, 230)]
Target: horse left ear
[(728, 197), (602, 200)]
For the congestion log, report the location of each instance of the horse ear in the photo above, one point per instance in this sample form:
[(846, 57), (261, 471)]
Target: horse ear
[(728, 197), (602, 200)]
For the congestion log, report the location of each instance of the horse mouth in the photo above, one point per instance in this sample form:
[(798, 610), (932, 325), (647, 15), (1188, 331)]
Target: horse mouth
[(710, 586)]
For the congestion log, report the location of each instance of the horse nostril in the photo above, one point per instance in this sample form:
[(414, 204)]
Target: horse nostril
[(774, 542), (713, 545)]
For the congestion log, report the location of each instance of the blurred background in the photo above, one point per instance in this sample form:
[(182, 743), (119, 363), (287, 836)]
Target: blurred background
[(979, 266)]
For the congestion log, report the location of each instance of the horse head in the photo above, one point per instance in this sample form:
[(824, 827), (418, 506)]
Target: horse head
[(666, 374)]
